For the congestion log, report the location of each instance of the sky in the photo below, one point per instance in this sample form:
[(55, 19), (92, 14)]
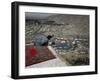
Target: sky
[(34, 15)]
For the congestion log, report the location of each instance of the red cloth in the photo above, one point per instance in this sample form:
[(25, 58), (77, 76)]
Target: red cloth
[(32, 51), (37, 54)]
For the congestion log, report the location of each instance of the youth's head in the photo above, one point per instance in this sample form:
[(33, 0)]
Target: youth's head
[(50, 36)]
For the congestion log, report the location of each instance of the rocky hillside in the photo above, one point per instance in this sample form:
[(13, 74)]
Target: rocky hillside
[(63, 26)]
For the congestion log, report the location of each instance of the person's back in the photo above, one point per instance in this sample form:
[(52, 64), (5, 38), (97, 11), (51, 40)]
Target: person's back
[(42, 40)]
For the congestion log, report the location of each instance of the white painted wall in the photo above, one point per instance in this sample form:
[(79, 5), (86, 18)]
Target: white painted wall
[(5, 40)]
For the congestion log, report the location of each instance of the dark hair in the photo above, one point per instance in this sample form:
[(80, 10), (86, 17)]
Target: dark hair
[(49, 36)]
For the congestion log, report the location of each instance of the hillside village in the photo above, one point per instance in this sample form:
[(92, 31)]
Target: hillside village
[(69, 36)]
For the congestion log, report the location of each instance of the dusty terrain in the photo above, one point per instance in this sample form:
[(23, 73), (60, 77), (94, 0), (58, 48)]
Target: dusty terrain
[(73, 29)]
